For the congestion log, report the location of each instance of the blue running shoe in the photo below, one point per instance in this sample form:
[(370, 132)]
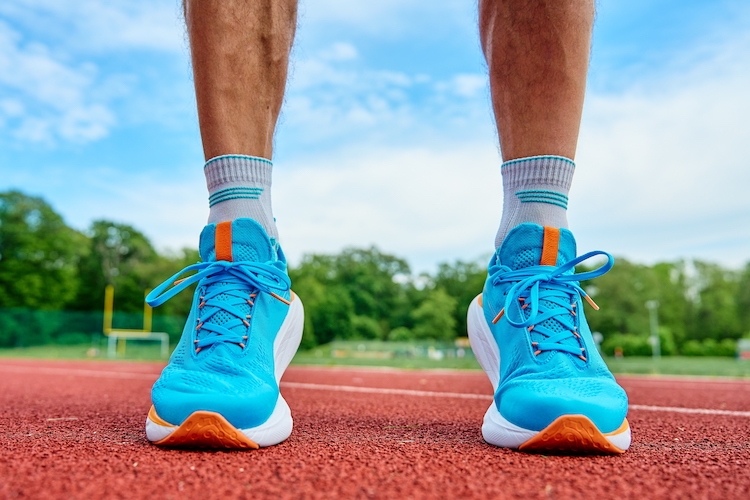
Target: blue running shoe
[(221, 386), (528, 330)]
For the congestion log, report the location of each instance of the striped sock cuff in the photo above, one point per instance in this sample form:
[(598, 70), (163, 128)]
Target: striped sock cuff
[(237, 169), (550, 171), (234, 193), (543, 196)]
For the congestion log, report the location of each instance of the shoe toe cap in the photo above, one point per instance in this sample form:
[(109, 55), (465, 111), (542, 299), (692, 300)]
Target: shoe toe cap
[(245, 402), (535, 404)]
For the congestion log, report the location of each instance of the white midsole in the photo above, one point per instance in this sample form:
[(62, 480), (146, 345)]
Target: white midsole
[(279, 425), (496, 430), (276, 429), (290, 335), (483, 343)]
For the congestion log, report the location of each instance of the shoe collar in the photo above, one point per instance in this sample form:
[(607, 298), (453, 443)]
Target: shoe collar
[(530, 244), (238, 240)]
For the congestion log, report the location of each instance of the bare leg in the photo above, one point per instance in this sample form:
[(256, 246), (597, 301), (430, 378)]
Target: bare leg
[(240, 53), (537, 52)]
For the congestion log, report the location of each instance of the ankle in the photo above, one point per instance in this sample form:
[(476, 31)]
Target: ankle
[(239, 186), (535, 189)]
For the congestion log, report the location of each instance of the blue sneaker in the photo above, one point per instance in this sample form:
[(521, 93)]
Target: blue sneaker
[(221, 386), (528, 330)]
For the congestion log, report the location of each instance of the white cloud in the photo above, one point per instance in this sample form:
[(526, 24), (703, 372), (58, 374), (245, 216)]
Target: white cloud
[(430, 202), (340, 51), (339, 100), (390, 18), (405, 161), (662, 169), (662, 174), (86, 123), (97, 26), (468, 85), (169, 205), (50, 99)]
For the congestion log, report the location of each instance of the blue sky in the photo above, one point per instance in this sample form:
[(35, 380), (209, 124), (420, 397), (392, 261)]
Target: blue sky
[(386, 135)]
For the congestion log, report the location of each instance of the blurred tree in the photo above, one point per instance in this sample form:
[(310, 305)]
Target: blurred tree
[(621, 295), (310, 292), (375, 282), (463, 281), (716, 312), (671, 290), (743, 300), (38, 254), (401, 334), (434, 318), (710, 347), (116, 253), (358, 293), (623, 292), (340, 290), (629, 345), (332, 315), (364, 327)]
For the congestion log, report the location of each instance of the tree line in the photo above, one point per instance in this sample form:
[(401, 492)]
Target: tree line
[(52, 280)]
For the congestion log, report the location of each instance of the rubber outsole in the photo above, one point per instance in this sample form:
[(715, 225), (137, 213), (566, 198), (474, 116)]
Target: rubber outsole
[(567, 433), (206, 429), (274, 430), (573, 434)]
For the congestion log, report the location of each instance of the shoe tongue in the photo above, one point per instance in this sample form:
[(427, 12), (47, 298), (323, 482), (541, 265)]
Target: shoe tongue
[(240, 240), (533, 245), (529, 245), (236, 241)]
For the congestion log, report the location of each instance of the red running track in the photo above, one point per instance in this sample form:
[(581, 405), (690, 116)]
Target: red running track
[(75, 430)]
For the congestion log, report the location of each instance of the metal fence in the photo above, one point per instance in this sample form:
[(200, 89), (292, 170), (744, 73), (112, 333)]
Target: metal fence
[(29, 327)]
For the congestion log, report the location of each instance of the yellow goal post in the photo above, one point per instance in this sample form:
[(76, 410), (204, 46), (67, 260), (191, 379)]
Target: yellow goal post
[(117, 337)]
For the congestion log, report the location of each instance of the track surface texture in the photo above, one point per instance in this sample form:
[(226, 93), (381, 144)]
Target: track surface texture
[(75, 430)]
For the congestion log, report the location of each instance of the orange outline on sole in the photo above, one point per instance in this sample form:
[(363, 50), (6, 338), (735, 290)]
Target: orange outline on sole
[(204, 429), (574, 433)]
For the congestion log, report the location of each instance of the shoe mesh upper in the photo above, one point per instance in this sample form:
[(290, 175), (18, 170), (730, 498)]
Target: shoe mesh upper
[(525, 258), (528, 257), (534, 389), (237, 382)]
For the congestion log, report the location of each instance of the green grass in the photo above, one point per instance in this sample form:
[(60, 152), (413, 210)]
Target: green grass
[(413, 355), (322, 357), (402, 355), (146, 351), (681, 365), (677, 365)]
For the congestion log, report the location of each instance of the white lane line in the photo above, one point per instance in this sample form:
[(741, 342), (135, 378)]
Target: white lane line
[(682, 379), (345, 388), (378, 390), (486, 397), (38, 370), (705, 385), (699, 411)]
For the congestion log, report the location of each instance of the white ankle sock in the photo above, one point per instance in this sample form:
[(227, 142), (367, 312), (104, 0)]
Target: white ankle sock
[(535, 189), (240, 186)]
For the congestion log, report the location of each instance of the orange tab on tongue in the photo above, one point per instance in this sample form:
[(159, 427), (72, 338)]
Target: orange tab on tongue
[(549, 246), (224, 241)]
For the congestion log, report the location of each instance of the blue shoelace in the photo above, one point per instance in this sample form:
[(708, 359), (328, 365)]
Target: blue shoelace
[(238, 283), (549, 293)]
